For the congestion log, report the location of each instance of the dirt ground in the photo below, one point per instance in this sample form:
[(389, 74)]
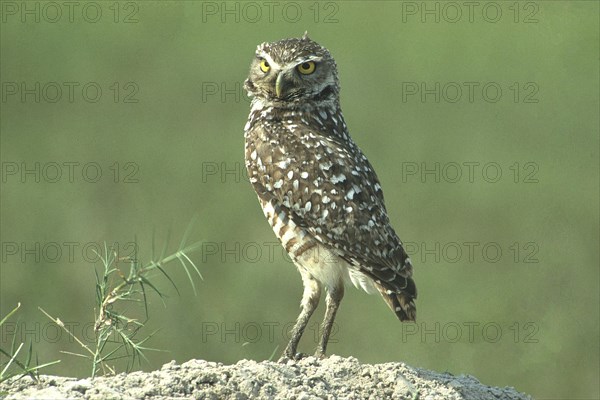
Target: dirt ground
[(332, 378)]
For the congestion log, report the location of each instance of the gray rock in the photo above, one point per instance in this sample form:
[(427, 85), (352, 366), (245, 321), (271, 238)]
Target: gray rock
[(332, 378)]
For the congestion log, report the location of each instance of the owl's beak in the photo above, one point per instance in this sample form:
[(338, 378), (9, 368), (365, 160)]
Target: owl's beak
[(279, 85)]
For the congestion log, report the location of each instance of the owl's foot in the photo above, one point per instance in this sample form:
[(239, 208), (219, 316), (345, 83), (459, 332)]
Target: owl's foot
[(285, 357), (320, 354)]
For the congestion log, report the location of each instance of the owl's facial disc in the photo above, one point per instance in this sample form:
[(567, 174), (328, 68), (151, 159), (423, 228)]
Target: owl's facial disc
[(284, 79), (292, 71)]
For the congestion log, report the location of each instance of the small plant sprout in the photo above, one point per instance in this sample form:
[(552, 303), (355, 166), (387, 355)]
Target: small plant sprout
[(118, 334), (10, 365)]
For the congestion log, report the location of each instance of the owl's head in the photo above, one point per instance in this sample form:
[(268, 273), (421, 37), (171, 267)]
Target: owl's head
[(292, 71)]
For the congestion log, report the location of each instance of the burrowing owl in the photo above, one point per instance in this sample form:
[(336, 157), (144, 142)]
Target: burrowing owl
[(316, 187)]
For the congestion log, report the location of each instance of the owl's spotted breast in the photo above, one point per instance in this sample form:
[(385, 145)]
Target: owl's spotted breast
[(328, 187)]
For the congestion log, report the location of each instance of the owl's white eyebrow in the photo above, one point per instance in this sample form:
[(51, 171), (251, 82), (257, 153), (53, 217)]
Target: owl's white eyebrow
[(311, 58), (272, 63), (298, 61)]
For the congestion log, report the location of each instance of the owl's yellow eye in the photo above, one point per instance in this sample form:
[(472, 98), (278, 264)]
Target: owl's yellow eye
[(307, 68), (264, 66)]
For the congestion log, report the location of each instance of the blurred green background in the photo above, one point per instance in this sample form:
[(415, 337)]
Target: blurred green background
[(166, 134)]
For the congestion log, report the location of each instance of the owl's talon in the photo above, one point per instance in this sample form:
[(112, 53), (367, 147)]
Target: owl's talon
[(283, 359), (300, 356)]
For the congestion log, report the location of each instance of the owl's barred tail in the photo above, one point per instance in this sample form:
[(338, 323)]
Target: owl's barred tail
[(402, 303)]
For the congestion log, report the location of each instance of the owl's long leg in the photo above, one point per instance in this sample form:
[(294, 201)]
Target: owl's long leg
[(334, 298), (310, 301)]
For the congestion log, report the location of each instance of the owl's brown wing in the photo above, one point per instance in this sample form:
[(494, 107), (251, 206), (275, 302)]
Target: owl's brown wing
[(332, 191)]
